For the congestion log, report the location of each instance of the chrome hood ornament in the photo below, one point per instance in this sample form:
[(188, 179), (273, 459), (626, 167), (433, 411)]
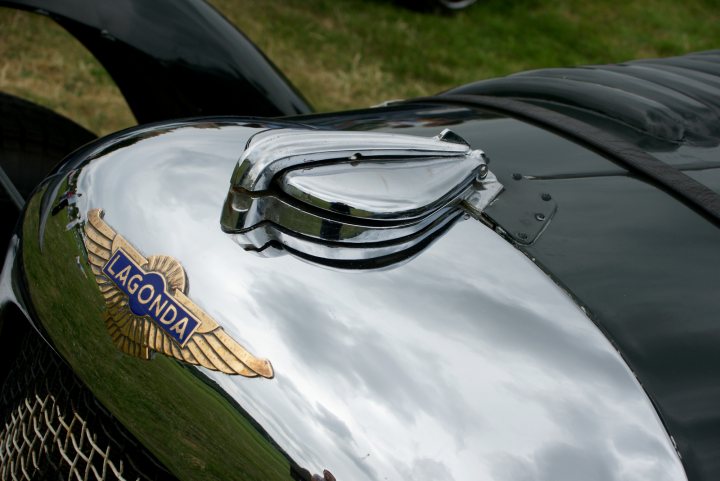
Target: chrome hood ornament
[(148, 310), (353, 199)]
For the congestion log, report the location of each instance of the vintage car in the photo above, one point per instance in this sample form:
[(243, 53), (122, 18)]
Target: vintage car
[(517, 279)]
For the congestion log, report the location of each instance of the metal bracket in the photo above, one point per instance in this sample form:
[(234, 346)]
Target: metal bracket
[(524, 210)]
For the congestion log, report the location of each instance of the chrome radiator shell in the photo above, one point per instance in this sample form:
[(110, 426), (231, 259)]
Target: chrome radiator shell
[(466, 362)]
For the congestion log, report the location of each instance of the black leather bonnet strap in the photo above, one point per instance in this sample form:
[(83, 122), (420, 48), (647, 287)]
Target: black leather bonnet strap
[(690, 191)]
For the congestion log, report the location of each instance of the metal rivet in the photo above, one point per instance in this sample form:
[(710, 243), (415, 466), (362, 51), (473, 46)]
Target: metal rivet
[(545, 197), (540, 217), (522, 235), (482, 172), (517, 176)]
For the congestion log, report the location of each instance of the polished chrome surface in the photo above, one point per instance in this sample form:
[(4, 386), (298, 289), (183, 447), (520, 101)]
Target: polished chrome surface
[(272, 151), (383, 189), (367, 199), (466, 362), (483, 194), (12, 192)]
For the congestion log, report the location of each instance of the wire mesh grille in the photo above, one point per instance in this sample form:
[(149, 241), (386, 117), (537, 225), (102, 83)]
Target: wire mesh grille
[(39, 433), (52, 428)]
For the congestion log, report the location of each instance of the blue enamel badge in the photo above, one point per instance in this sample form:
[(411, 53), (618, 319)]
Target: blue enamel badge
[(148, 296), (148, 310)]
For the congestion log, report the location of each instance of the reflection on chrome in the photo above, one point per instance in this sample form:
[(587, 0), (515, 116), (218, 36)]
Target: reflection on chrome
[(356, 200), (465, 363)]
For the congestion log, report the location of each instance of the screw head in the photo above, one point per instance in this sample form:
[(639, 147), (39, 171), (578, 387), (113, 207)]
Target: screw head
[(540, 216), (517, 176), (482, 172), (546, 197), (522, 235)]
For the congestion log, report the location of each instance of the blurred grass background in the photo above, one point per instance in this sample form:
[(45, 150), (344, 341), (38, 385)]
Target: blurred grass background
[(354, 53)]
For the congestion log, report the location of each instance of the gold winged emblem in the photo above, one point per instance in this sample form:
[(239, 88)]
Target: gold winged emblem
[(147, 309)]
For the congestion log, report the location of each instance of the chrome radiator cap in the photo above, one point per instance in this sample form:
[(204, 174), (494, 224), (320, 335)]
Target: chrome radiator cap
[(353, 199)]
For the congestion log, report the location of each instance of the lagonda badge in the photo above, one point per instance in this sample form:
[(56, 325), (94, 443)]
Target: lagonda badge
[(148, 310)]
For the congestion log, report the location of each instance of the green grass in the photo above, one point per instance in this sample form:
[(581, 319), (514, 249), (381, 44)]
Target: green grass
[(353, 53)]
